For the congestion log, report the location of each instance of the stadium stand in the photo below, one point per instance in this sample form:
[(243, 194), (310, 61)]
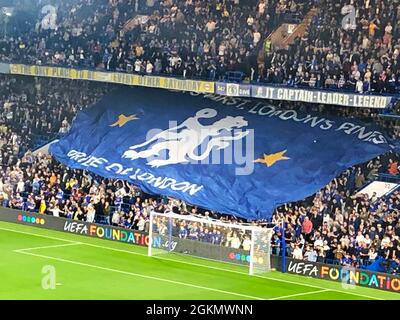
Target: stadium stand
[(221, 40), (215, 40), (354, 229), (191, 39), (360, 55)]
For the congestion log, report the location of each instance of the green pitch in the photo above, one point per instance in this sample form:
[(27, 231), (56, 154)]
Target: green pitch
[(88, 268)]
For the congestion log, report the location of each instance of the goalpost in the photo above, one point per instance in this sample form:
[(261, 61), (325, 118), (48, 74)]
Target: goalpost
[(211, 239)]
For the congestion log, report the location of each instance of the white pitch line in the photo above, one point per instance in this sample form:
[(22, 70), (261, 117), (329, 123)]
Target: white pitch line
[(142, 275), (47, 247), (197, 264), (335, 290), (36, 234), (299, 294), (232, 271)]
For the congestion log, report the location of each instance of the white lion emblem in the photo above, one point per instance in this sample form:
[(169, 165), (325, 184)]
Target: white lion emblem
[(182, 141)]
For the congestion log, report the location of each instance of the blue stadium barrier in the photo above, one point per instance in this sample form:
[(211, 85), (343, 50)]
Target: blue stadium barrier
[(234, 76), (389, 178)]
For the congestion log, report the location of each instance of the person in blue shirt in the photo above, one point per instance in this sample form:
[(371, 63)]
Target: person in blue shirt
[(18, 202), (88, 198), (276, 245), (217, 237), (213, 235), (30, 203), (36, 184), (183, 233), (297, 230), (118, 201), (207, 237), (194, 232), (346, 260), (201, 233), (128, 223), (290, 81), (60, 195)]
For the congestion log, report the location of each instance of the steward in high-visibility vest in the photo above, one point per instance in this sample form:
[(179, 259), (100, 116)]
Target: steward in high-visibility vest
[(267, 46)]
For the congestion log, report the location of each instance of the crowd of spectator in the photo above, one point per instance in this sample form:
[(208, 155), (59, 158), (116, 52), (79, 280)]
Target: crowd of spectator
[(186, 38), (32, 108), (338, 225), (335, 225), (202, 231), (349, 44), (341, 50)]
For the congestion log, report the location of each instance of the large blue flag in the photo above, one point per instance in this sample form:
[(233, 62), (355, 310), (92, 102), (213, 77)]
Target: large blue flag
[(232, 155)]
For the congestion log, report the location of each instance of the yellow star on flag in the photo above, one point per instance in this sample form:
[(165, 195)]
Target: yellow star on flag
[(271, 159), (123, 120)]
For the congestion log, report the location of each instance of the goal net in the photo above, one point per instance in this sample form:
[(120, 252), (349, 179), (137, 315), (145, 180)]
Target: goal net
[(211, 239)]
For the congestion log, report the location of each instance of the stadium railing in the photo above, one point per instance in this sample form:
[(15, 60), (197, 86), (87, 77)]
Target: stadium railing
[(389, 177), (237, 77)]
